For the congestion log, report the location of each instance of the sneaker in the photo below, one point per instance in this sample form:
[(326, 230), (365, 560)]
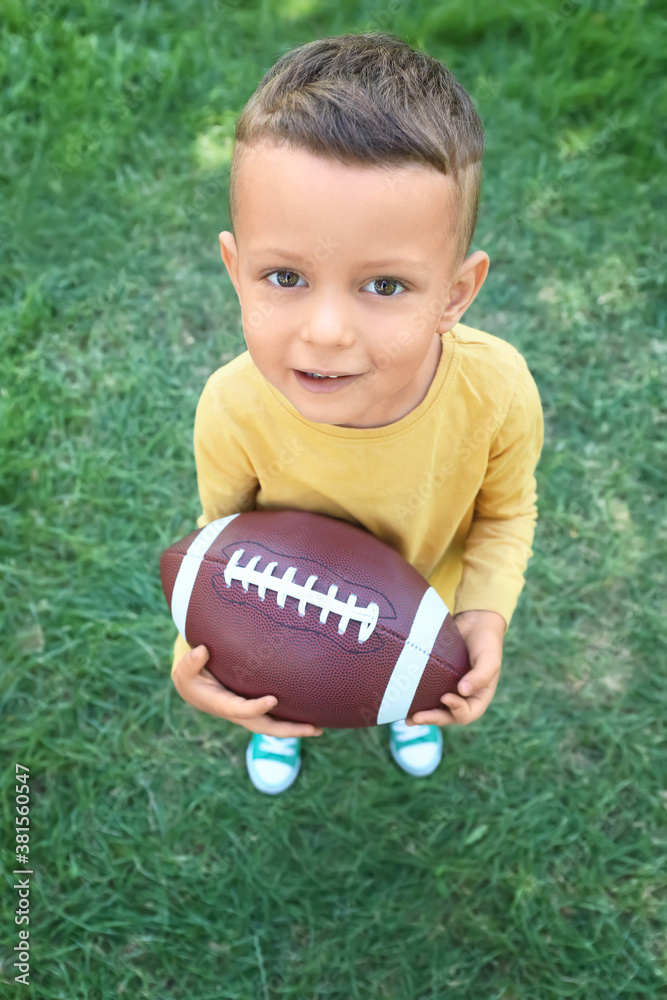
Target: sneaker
[(416, 749), (273, 762)]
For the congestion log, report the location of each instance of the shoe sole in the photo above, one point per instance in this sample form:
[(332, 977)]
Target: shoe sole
[(257, 781)]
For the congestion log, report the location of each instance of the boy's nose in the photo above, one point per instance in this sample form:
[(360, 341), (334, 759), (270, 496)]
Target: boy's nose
[(327, 322)]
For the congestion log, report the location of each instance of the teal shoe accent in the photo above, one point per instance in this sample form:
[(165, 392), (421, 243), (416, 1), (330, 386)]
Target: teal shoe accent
[(416, 749), (273, 762)]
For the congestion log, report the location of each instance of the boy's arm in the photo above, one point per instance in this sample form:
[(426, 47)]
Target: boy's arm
[(497, 550), (499, 543), (226, 480)]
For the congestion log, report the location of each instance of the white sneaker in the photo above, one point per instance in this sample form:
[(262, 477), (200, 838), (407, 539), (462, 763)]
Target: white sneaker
[(273, 762), (416, 749)]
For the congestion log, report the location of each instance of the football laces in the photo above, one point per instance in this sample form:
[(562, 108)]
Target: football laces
[(285, 586)]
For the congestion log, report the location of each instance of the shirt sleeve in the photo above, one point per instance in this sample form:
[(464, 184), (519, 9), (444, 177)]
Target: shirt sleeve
[(499, 543), (226, 479)]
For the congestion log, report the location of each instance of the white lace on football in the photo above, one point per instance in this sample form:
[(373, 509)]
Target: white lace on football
[(285, 587)]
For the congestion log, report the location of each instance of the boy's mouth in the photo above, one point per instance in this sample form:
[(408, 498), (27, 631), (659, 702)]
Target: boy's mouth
[(322, 383)]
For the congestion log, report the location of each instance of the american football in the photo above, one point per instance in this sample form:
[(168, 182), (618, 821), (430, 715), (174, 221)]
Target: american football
[(318, 612)]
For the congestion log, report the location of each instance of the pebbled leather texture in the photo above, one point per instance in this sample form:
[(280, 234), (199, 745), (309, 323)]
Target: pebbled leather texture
[(317, 612)]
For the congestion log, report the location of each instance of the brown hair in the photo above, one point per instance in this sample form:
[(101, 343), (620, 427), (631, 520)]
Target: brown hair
[(370, 98)]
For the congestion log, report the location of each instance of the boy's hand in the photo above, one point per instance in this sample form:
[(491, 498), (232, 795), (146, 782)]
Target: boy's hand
[(199, 687), (482, 633)]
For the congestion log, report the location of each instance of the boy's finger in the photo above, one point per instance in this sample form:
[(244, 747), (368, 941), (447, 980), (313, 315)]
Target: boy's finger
[(474, 680), (481, 676), (272, 727), (434, 717), (195, 659), (188, 667), (453, 701), (208, 675), (466, 710), (248, 708)]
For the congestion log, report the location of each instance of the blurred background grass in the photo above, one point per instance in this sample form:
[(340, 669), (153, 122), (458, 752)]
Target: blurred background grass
[(532, 863)]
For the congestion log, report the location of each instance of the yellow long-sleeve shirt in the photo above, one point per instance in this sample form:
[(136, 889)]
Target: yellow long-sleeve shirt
[(450, 486)]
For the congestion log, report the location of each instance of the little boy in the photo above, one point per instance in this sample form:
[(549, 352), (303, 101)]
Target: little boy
[(354, 191)]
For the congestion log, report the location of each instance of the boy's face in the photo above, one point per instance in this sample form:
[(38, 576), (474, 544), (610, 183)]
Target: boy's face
[(346, 269)]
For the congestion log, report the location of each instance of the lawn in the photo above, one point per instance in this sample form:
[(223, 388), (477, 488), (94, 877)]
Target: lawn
[(533, 864)]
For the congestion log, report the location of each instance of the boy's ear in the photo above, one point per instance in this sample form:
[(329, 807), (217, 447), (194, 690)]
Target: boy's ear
[(230, 257), (464, 288)]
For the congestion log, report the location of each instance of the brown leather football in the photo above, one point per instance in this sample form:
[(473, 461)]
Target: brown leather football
[(316, 611)]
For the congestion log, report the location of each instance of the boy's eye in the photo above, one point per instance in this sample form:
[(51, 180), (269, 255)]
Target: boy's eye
[(286, 279), (385, 286)]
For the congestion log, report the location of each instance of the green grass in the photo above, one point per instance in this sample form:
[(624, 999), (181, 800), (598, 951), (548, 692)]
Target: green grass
[(532, 864)]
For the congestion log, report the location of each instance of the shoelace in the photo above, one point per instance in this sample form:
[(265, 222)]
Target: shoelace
[(277, 744), (403, 732)]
